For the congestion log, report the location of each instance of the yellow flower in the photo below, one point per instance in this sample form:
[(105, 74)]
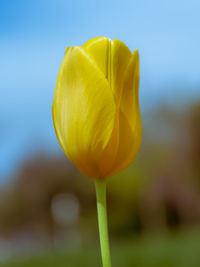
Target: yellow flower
[(96, 108)]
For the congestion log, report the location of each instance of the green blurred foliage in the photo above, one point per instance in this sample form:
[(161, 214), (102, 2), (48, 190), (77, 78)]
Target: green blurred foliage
[(165, 251)]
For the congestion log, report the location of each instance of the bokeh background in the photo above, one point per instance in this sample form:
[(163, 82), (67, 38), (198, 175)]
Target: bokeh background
[(47, 208)]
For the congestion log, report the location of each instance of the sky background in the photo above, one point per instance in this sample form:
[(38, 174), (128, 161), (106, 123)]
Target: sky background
[(33, 39)]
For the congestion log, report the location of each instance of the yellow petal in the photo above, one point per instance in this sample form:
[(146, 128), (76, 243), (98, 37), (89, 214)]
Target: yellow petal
[(112, 57), (129, 102), (130, 127), (83, 111), (98, 49), (120, 57)]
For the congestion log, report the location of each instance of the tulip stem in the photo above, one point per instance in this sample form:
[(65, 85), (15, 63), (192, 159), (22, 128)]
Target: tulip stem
[(100, 184)]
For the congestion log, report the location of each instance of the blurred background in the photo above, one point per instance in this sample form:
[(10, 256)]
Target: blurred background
[(47, 208)]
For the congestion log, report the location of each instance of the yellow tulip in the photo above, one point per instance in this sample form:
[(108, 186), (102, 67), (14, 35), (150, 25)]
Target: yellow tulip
[(96, 108)]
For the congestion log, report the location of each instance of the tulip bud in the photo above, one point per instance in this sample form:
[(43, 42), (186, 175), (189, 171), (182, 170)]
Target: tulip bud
[(96, 108)]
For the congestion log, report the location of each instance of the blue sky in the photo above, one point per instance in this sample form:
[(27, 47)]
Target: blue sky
[(35, 34)]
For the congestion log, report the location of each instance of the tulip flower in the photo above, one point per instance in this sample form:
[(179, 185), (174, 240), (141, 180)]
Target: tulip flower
[(95, 109), (96, 113)]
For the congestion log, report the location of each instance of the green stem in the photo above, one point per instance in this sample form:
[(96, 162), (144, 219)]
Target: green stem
[(102, 220)]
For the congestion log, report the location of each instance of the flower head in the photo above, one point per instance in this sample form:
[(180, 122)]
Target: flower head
[(96, 108)]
